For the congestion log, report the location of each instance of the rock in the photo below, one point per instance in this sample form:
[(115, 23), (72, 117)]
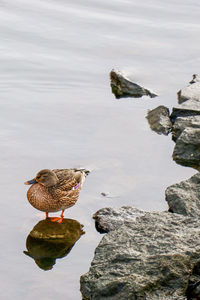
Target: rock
[(187, 148), (123, 87), (46, 229), (159, 120), (187, 114), (184, 122), (193, 290), (186, 109), (192, 91), (151, 258), (49, 241), (108, 219), (184, 197), (104, 194)]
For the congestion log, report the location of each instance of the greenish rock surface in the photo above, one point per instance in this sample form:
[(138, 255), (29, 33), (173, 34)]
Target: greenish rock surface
[(46, 229), (49, 241)]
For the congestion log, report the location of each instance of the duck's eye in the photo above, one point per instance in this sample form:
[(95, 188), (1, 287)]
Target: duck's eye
[(44, 176)]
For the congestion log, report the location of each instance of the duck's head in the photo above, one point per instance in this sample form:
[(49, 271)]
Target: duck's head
[(44, 177)]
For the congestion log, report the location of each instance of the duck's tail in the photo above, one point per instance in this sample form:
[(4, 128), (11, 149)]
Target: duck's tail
[(84, 171), (80, 175)]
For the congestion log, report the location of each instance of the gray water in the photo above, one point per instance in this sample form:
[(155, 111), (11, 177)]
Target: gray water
[(57, 111)]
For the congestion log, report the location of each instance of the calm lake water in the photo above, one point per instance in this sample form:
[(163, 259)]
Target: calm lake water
[(57, 111)]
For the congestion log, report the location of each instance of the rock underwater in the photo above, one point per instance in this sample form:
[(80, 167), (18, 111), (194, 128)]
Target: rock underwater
[(49, 241)]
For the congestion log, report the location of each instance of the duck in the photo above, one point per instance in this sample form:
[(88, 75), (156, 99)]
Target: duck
[(55, 190)]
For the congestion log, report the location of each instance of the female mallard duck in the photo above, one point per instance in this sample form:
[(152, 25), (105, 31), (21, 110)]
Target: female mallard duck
[(55, 190)]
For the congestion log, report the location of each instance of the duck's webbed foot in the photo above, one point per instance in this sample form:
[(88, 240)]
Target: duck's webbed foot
[(58, 219)]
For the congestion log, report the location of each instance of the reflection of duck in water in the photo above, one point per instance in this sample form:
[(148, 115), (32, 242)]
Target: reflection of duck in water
[(49, 241), (54, 190)]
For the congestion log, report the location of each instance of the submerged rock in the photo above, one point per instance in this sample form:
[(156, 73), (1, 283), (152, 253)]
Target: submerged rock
[(107, 219), (123, 87), (187, 148), (46, 229), (184, 197), (192, 91), (150, 258), (49, 241), (159, 120)]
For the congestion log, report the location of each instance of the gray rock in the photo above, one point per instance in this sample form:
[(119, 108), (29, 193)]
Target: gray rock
[(187, 114), (184, 122), (184, 197), (108, 219), (159, 120), (123, 87), (151, 258), (187, 148), (189, 108), (192, 91)]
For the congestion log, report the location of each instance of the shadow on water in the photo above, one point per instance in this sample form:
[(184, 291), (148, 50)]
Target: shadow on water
[(48, 241)]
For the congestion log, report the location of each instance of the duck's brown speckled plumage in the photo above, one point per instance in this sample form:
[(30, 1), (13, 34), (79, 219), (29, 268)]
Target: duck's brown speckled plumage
[(59, 196)]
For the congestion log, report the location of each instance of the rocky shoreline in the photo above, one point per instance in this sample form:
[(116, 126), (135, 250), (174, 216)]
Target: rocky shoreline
[(155, 255)]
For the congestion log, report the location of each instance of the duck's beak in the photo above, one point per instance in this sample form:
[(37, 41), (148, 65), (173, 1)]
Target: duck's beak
[(30, 181)]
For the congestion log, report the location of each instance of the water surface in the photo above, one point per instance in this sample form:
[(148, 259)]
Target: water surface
[(57, 111)]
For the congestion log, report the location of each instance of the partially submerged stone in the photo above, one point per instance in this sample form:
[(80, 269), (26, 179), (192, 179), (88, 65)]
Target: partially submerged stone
[(48, 230), (107, 219), (192, 91), (49, 241), (150, 258), (159, 121), (184, 197), (187, 148), (123, 87)]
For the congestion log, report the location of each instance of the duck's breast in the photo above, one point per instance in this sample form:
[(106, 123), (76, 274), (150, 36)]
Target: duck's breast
[(39, 197)]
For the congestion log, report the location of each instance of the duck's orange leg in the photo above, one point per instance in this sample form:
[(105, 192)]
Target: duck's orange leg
[(47, 215), (58, 219)]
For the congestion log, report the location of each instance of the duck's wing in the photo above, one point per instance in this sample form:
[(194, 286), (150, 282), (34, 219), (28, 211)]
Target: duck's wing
[(71, 178)]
